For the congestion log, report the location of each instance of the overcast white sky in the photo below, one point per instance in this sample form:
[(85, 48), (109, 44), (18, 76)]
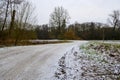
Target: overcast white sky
[(79, 10)]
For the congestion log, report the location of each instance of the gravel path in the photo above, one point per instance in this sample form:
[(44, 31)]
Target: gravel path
[(32, 62)]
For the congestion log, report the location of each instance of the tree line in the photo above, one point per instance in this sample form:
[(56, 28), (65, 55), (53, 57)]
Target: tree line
[(80, 31), (15, 19), (58, 28), (17, 24)]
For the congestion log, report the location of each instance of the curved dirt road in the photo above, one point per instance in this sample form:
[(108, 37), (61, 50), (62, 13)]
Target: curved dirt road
[(32, 62)]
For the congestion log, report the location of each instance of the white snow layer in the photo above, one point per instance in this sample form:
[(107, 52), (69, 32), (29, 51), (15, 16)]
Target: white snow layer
[(34, 62)]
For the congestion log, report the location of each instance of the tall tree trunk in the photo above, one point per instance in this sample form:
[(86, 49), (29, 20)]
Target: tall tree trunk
[(6, 14), (12, 22), (5, 20)]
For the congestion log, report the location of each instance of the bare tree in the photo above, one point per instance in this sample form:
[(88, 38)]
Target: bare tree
[(114, 19), (14, 4), (6, 14), (8, 8), (59, 19), (23, 17)]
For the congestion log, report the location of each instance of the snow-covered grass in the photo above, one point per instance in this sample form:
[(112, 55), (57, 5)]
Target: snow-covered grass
[(90, 62), (31, 42), (106, 60), (47, 41)]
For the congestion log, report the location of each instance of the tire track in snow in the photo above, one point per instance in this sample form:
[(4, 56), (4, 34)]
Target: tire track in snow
[(14, 72), (12, 53), (33, 72), (34, 63)]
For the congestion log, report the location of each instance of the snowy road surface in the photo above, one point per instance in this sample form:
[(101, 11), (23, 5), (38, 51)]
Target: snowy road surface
[(32, 62)]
